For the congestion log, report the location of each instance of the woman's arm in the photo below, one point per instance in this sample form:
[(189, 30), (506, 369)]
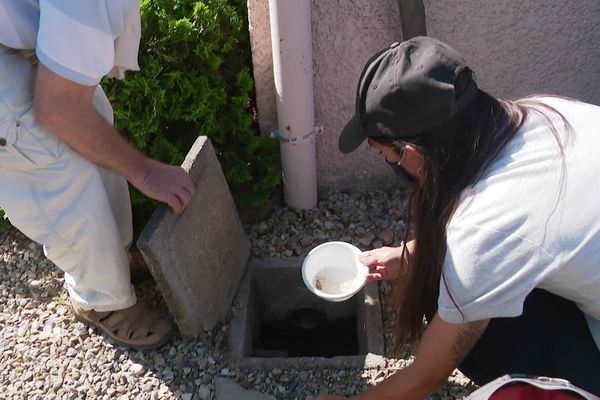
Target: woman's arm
[(440, 351)]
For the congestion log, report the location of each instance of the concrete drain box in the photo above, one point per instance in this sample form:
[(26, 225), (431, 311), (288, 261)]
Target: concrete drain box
[(279, 323)]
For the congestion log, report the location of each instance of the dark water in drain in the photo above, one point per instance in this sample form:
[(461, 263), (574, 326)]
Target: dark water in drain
[(291, 339)]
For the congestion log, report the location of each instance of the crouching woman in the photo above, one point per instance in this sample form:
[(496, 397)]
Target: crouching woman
[(504, 264)]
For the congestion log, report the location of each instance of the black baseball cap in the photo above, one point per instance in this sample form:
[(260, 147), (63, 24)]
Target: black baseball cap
[(407, 89)]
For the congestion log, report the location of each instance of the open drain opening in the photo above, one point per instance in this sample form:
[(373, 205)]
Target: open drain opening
[(307, 332), (289, 321), (278, 323)]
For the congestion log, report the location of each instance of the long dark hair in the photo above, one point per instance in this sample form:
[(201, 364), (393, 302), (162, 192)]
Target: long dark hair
[(456, 155)]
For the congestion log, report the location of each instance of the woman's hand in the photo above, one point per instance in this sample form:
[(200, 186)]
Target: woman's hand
[(386, 263)]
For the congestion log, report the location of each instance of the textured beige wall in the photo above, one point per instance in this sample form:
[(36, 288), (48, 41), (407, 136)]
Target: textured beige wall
[(345, 34), (260, 40), (520, 47), (515, 47)]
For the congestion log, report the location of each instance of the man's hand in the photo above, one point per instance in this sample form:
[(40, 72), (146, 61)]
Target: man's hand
[(386, 262), (167, 183)]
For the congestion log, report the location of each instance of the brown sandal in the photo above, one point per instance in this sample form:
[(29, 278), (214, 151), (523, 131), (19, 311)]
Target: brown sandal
[(137, 326)]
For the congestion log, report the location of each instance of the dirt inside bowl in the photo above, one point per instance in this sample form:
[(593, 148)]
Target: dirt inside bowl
[(335, 280)]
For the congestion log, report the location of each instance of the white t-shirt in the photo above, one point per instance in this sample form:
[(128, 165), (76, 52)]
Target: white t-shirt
[(532, 221), (82, 41)]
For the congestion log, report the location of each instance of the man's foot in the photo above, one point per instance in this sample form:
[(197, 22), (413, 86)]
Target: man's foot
[(137, 326)]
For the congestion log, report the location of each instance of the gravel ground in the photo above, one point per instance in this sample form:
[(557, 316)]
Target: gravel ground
[(46, 354)]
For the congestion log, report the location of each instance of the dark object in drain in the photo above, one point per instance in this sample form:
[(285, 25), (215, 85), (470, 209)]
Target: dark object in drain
[(306, 318), (306, 332)]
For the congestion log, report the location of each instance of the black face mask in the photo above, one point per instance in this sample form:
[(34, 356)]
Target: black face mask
[(402, 174)]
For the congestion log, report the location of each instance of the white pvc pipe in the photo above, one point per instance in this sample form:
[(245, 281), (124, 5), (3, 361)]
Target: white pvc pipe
[(291, 36)]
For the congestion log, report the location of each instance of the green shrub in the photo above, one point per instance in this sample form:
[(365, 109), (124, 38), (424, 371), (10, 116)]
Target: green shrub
[(4, 224), (195, 79)]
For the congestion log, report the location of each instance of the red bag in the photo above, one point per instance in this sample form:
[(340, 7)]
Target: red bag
[(523, 387)]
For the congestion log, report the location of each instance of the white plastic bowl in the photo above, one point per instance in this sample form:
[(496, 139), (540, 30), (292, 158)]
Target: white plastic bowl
[(332, 271)]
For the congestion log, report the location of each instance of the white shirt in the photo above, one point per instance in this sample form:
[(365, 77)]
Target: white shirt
[(82, 41), (532, 221)]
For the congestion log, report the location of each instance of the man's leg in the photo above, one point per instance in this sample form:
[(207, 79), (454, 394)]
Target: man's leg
[(62, 202), (80, 213), (116, 187), (551, 339)]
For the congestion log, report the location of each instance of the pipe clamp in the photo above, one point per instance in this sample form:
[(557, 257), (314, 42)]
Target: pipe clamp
[(287, 138)]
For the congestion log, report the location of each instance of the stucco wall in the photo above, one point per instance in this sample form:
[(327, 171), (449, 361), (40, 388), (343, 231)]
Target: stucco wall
[(515, 47), (520, 47)]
